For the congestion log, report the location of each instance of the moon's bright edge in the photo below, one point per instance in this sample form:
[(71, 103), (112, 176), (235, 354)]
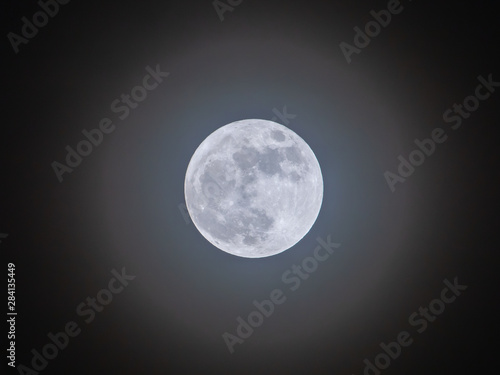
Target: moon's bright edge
[(253, 188)]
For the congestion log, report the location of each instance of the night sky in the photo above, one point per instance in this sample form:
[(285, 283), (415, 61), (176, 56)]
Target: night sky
[(403, 124)]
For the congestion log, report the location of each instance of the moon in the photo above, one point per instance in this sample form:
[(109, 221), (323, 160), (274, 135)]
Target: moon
[(253, 188)]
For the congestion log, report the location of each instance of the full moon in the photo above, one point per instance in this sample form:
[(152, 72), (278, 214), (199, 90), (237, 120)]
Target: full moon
[(253, 188)]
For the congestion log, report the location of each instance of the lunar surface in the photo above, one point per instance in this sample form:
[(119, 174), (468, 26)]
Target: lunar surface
[(253, 188)]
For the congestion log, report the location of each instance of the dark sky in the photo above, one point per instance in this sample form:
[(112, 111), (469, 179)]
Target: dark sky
[(121, 205)]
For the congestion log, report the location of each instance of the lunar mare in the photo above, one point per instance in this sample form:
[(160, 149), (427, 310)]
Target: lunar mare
[(253, 188)]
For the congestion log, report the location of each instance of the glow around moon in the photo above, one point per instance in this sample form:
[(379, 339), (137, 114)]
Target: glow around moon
[(253, 188)]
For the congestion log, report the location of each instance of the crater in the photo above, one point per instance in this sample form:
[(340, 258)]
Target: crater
[(293, 154), (277, 135), (269, 162), (246, 158), (294, 176)]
